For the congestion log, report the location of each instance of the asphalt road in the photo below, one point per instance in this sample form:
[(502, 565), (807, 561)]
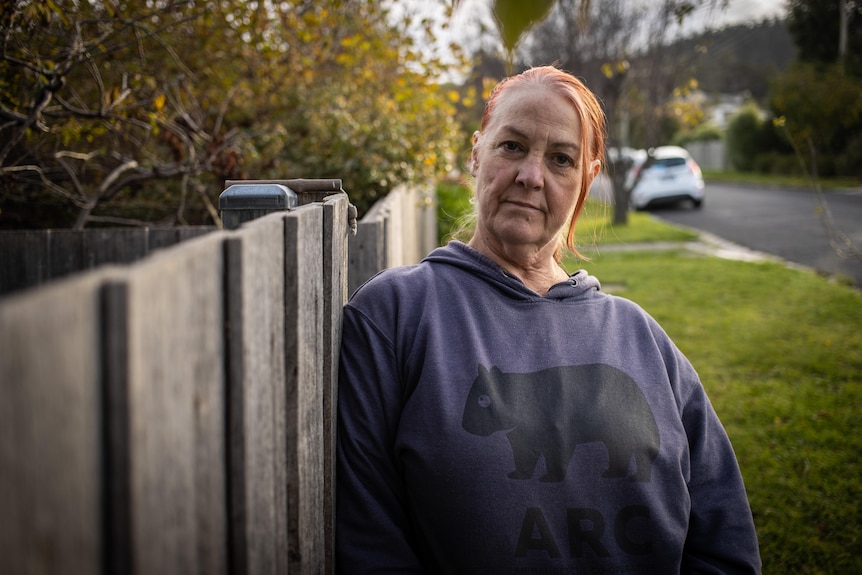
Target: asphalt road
[(792, 224)]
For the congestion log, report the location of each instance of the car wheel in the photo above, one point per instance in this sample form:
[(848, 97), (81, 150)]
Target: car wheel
[(697, 203)]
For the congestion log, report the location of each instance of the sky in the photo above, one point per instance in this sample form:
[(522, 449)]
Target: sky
[(754, 10), (463, 28), (737, 12), (744, 11)]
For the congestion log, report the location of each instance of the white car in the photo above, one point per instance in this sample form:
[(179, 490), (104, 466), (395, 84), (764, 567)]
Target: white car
[(668, 175)]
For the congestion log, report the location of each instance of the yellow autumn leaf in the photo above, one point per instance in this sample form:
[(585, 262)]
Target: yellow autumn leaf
[(159, 102), (607, 70)]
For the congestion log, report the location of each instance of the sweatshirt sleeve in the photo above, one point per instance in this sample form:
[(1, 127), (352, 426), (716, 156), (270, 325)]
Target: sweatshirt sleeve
[(373, 531), (721, 537)]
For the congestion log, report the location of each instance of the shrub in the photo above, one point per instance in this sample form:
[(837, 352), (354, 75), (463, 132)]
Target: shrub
[(787, 165), (778, 164), (705, 132), (848, 163), (820, 105), (454, 207), (742, 138), (826, 166)]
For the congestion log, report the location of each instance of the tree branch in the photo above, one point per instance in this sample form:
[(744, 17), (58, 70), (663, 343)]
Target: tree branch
[(44, 180), (106, 184)]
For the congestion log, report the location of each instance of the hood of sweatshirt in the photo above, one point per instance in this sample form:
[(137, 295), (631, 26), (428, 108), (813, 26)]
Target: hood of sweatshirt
[(457, 254)]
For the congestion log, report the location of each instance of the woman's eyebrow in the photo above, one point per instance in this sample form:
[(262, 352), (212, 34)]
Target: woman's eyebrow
[(514, 131), (519, 133)]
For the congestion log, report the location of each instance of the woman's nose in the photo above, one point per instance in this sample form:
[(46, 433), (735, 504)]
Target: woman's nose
[(530, 173)]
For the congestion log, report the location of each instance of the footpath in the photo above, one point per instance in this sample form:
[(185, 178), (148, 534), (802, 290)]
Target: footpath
[(706, 243)]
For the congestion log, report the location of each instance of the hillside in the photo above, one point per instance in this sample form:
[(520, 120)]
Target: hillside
[(739, 58)]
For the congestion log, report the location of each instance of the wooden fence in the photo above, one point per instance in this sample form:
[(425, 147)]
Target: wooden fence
[(177, 415), (710, 155), (399, 229)]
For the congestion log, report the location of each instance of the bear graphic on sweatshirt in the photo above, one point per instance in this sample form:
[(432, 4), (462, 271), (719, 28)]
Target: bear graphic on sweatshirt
[(548, 413)]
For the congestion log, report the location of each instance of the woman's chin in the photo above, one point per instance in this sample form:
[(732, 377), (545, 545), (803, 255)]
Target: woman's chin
[(522, 236)]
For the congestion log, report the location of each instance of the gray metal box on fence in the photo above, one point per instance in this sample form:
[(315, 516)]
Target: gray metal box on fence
[(240, 203)]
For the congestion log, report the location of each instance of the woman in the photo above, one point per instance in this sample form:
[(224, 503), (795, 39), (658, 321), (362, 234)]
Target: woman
[(497, 415)]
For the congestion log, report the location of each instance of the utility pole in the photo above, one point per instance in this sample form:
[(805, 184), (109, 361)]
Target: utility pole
[(844, 11)]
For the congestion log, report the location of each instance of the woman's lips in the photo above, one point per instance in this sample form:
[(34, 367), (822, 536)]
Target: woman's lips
[(523, 205)]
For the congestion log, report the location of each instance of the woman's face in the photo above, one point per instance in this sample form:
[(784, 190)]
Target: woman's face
[(527, 168)]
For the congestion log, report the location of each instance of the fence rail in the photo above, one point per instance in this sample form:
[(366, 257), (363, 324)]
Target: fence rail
[(34, 257), (177, 415)]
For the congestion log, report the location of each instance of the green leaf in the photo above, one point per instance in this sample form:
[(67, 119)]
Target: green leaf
[(515, 17)]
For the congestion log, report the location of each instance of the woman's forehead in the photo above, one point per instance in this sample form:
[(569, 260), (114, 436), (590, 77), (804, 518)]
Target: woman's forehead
[(531, 104)]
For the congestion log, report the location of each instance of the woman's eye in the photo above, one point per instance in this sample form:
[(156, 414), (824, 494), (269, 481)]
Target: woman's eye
[(562, 160), (510, 146)]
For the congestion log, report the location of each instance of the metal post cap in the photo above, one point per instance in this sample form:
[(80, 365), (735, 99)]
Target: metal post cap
[(257, 197)]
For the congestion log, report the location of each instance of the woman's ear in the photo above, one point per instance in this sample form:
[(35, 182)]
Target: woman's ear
[(474, 154), (595, 167)]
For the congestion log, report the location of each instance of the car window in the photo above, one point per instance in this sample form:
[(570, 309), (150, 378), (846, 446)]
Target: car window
[(669, 162)]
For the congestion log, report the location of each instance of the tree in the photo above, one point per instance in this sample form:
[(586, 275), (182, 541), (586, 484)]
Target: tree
[(819, 100), (136, 112), (741, 137), (741, 58), (82, 117), (821, 109), (598, 41), (592, 41), (818, 26)]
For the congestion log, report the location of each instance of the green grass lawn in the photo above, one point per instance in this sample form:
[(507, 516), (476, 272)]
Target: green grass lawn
[(780, 354), (594, 227)]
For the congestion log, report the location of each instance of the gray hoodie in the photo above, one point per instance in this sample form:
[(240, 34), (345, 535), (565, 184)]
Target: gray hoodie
[(483, 428)]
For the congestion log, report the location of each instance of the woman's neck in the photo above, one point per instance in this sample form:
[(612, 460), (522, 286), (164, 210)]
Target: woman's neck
[(537, 268)]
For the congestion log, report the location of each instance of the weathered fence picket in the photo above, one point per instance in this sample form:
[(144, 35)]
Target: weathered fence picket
[(175, 381), (51, 484), (257, 450)]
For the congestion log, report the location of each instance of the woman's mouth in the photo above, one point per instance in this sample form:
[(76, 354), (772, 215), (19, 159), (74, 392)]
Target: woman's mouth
[(524, 205)]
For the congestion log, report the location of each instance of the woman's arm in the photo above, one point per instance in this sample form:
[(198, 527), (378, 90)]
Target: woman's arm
[(373, 533), (721, 537)]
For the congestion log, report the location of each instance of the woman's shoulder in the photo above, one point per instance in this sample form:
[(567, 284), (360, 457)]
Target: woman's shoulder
[(627, 312), (413, 280), (394, 291), (392, 280)]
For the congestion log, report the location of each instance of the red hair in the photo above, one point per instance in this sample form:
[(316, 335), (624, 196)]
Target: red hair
[(589, 112)]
